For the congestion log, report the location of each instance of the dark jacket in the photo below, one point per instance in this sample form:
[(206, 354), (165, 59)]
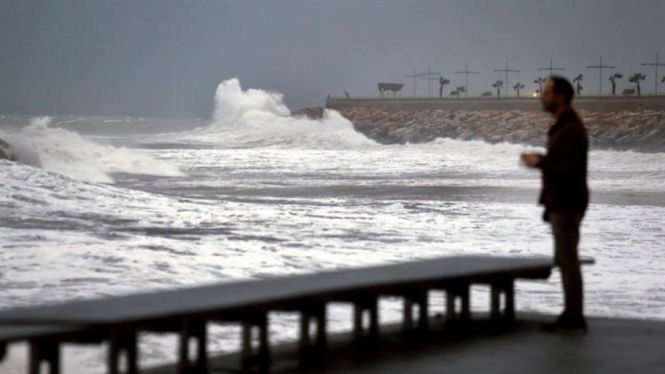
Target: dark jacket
[(564, 168)]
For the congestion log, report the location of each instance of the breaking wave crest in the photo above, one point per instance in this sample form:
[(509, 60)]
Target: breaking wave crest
[(66, 152), (255, 118)]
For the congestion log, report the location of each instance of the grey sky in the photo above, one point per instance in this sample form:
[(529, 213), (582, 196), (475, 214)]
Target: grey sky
[(165, 58)]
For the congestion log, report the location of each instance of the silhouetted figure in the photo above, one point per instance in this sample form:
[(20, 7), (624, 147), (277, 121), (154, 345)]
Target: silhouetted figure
[(578, 84), (346, 93), (565, 194)]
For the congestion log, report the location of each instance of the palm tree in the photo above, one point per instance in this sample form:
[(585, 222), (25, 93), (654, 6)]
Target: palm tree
[(540, 81), (517, 87), (613, 79), (442, 82), (635, 79), (578, 83), (498, 84)]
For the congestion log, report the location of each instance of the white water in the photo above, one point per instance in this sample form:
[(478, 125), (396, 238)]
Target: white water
[(256, 118), (262, 193), (68, 153)]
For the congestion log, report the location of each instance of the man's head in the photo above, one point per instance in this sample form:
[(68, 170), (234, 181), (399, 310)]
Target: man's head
[(557, 94)]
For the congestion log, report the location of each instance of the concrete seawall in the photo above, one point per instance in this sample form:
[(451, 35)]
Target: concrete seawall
[(636, 123), (529, 104)]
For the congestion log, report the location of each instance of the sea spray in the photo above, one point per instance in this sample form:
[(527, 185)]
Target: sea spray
[(66, 152), (254, 117)]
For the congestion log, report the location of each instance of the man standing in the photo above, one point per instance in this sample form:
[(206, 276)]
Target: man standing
[(565, 194)]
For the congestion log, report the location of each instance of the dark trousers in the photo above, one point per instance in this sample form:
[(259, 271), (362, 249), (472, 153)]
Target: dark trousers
[(566, 232)]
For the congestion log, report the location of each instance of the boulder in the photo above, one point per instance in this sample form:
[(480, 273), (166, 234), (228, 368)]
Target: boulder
[(637, 129), (6, 151)]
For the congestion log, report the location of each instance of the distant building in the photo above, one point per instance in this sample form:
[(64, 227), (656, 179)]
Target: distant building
[(396, 88)]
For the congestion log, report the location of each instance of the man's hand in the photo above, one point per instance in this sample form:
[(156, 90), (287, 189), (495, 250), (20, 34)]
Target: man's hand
[(531, 159)]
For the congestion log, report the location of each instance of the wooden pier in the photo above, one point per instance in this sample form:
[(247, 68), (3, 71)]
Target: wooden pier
[(186, 312)]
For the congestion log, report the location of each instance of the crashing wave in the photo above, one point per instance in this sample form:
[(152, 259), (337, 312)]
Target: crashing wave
[(66, 152), (255, 118)]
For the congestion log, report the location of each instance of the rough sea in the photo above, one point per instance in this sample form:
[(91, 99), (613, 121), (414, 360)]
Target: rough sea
[(111, 206)]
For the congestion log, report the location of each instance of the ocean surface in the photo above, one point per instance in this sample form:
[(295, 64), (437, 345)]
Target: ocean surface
[(110, 206)]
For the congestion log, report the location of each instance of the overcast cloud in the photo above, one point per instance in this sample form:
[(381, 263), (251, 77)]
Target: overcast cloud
[(165, 58)]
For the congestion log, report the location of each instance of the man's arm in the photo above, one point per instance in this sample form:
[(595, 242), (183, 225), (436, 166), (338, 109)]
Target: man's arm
[(570, 147)]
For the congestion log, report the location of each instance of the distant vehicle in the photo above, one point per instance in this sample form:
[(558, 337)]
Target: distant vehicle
[(629, 92), (486, 93)]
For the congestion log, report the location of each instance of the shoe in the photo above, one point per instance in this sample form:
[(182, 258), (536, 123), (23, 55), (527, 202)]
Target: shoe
[(566, 323)]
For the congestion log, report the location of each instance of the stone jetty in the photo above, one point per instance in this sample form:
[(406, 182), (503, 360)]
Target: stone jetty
[(618, 126)]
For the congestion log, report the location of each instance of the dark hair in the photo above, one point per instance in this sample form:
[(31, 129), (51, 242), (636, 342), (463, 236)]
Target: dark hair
[(563, 86)]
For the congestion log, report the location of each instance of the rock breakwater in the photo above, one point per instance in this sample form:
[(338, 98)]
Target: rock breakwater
[(642, 130)]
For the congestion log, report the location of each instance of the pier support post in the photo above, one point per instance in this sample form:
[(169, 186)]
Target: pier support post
[(196, 330), (44, 351), (262, 356), (368, 305), (423, 318), (317, 313), (119, 342), (419, 298), (506, 288), (321, 327), (454, 293), (407, 321), (305, 320)]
